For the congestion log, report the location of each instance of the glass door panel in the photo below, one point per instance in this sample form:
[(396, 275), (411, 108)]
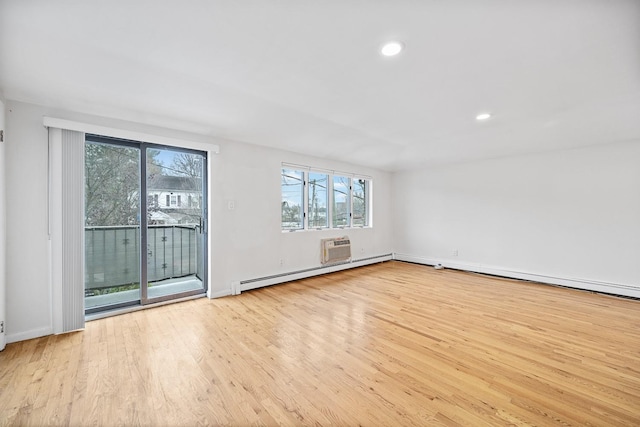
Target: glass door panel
[(175, 232), (112, 225)]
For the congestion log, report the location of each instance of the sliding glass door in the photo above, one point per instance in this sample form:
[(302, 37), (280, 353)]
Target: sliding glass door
[(175, 229), (145, 223)]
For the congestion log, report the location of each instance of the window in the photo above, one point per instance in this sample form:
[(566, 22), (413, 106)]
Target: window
[(341, 201), (360, 202), (292, 185), (173, 200), (317, 200)]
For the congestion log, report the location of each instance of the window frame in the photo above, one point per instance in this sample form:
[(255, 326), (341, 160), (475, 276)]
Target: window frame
[(326, 199), (302, 213), (366, 201), (348, 206)]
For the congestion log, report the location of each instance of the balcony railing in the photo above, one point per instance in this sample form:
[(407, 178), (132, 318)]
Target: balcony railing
[(112, 254)]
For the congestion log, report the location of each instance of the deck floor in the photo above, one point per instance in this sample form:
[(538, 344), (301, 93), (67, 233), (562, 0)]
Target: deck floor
[(157, 289)]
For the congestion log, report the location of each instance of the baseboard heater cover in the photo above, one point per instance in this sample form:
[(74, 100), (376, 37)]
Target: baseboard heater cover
[(274, 279), (582, 284)]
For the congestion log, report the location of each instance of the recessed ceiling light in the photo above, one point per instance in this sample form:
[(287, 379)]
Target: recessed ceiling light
[(483, 116), (391, 48)]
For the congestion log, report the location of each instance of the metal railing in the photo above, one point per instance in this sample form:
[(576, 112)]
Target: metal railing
[(112, 254)]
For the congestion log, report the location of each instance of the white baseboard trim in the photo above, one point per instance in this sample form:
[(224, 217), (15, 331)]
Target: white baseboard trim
[(589, 285), (28, 335), (219, 294), (239, 286)]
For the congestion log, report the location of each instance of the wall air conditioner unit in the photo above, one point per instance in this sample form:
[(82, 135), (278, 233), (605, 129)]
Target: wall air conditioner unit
[(335, 250)]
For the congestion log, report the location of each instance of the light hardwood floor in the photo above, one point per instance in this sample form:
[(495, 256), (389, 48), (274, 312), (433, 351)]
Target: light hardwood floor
[(389, 344)]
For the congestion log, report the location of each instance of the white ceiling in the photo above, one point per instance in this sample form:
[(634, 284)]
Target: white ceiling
[(306, 76)]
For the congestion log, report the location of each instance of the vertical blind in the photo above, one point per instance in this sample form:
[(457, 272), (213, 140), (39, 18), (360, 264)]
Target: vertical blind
[(66, 219)]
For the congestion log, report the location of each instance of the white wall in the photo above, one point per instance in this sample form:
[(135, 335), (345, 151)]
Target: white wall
[(246, 242), (2, 230), (568, 217), (28, 293), (249, 242)]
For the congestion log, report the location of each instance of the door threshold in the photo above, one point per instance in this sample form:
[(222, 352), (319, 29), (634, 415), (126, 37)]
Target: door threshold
[(132, 308)]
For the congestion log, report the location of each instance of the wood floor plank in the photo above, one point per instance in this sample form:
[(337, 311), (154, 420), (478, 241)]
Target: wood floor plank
[(388, 344)]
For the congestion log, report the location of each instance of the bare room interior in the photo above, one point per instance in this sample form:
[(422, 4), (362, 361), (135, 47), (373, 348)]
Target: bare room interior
[(320, 213)]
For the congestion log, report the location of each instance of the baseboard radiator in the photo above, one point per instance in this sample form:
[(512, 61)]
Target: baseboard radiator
[(619, 289), (246, 285)]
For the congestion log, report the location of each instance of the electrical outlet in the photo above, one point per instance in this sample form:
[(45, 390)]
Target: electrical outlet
[(455, 252), (281, 262), (2, 327)]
